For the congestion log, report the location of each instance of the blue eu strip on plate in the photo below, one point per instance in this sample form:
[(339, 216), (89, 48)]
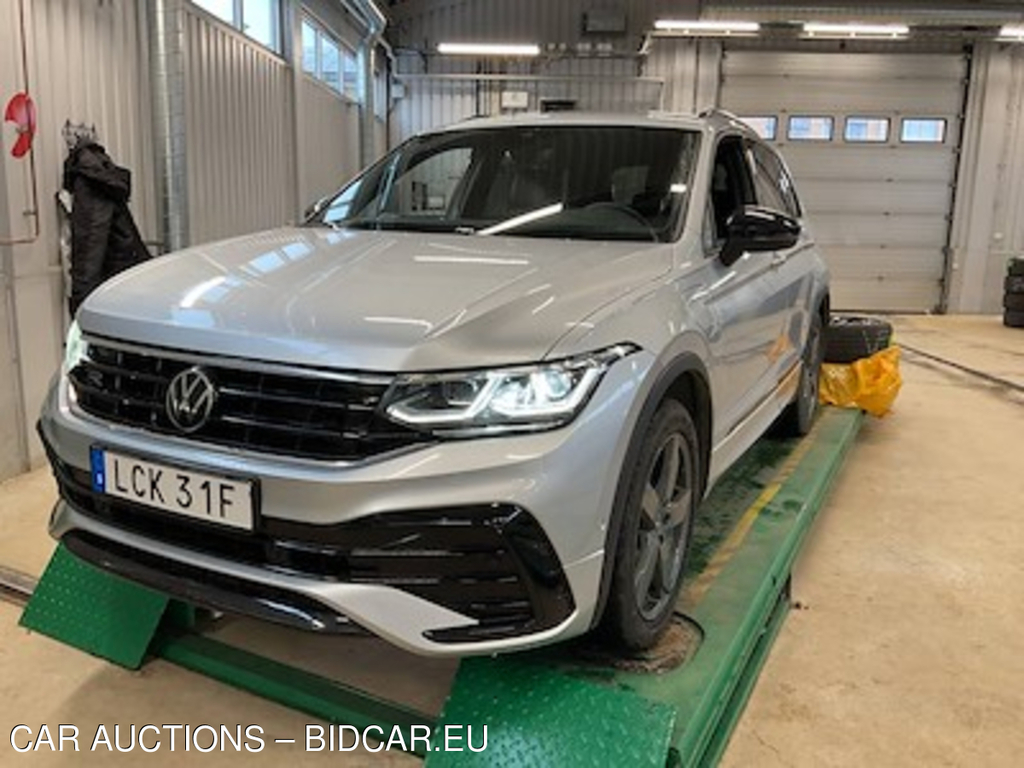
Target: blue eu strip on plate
[(99, 481)]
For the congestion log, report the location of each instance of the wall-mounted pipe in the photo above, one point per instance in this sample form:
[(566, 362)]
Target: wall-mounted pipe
[(167, 65), (375, 22), (33, 185)]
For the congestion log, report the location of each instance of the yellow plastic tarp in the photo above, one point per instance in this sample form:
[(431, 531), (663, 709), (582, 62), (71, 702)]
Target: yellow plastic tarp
[(870, 384)]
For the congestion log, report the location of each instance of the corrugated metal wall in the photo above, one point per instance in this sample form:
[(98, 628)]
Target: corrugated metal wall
[(87, 63), (330, 140), (240, 142)]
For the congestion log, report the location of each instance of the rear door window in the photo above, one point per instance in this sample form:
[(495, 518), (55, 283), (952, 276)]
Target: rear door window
[(772, 183)]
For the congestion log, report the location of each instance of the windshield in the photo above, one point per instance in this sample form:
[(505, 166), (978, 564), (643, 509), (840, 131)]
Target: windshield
[(591, 182)]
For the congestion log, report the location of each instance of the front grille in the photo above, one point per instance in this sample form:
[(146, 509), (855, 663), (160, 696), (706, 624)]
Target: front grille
[(492, 563), (306, 416)]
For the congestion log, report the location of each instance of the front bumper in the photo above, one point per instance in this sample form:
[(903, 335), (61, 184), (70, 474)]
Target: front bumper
[(365, 543)]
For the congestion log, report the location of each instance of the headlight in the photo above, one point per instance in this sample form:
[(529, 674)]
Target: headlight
[(75, 347), (474, 403)]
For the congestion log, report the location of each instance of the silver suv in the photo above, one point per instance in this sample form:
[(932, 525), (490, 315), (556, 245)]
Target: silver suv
[(470, 405)]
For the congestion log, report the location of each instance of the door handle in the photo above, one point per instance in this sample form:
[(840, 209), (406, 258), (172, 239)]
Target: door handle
[(778, 260)]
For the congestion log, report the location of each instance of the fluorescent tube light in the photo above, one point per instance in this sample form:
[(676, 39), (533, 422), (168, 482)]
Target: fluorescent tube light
[(826, 29), (489, 49), (707, 28), (1012, 34)]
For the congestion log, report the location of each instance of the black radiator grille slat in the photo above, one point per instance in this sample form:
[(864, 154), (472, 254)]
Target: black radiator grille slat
[(305, 416)]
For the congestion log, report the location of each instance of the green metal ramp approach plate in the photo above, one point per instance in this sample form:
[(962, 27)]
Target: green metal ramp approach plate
[(536, 716), (94, 611)]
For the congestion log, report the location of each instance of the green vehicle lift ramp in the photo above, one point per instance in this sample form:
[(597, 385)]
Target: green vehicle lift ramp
[(561, 706)]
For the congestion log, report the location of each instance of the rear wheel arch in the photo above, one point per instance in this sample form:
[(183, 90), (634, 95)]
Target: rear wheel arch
[(686, 380), (825, 309)]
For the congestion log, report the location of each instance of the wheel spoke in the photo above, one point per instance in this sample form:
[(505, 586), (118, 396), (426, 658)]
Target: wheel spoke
[(679, 510), (647, 560), (667, 561), (669, 476), (650, 506)]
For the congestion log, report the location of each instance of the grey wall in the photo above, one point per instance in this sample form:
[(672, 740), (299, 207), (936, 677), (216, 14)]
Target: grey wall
[(330, 140)]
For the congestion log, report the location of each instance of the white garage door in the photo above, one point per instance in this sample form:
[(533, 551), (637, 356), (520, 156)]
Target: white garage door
[(872, 140)]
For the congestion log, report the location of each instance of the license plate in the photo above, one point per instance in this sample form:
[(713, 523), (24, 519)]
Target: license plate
[(215, 499)]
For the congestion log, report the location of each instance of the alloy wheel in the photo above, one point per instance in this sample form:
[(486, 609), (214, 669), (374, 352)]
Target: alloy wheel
[(663, 528)]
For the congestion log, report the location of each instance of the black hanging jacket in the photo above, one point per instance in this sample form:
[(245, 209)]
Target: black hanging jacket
[(104, 238)]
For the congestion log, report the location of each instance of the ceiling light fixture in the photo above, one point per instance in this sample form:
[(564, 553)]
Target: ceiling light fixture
[(1013, 34), (826, 29), (694, 28), (489, 49)]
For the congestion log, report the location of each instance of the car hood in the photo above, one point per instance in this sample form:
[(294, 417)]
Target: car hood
[(367, 300)]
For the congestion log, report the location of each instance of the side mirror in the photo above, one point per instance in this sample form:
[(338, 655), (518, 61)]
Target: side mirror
[(758, 229)]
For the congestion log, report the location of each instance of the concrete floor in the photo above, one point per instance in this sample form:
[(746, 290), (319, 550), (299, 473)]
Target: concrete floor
[(908, 648), (905, 648)]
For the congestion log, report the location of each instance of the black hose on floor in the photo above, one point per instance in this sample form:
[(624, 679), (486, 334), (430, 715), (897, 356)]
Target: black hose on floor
[(965, 369)]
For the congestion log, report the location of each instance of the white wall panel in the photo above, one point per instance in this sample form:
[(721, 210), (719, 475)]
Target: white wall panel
[(240, 143), (330, 140), (87, 63)]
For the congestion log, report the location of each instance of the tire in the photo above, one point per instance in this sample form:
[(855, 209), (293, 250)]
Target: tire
[(1013, 284), (1013, 319), (798, 418), (654, 536), (1016, 267), (851, 338), (1013, 302)]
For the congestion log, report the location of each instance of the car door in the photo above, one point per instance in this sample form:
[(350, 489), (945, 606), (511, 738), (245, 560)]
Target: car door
[(741, 303), (791, 269)]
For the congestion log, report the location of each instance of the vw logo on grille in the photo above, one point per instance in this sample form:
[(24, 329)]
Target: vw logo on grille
[(190, 399)]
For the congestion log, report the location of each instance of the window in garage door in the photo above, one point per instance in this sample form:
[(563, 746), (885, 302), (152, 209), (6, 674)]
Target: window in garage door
[(923, 130), (879, 209), (871, 129)]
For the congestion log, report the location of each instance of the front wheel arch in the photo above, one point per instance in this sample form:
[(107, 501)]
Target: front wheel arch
[(684, 379)]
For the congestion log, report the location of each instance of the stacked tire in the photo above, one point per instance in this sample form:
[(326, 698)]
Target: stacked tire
[(850, 337), (1013, 294)]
